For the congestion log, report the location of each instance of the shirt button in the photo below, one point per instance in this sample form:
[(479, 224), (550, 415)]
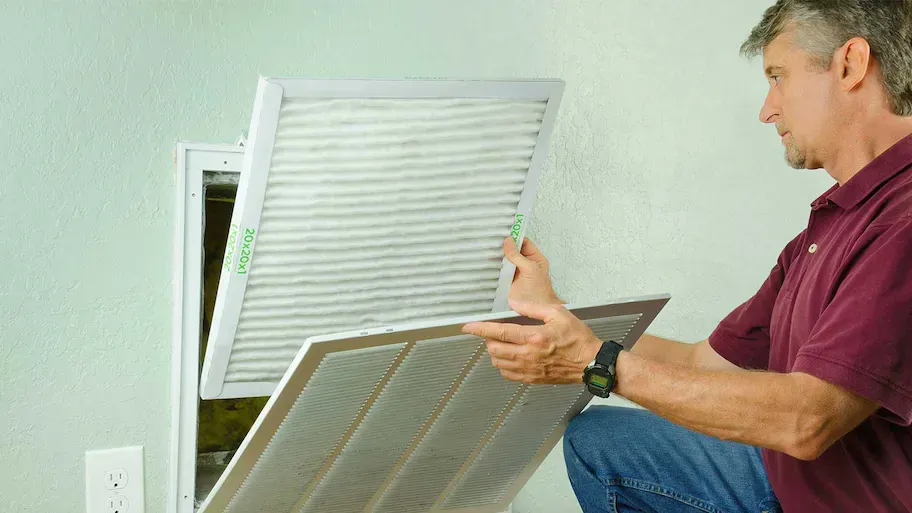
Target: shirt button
[(812, 248)]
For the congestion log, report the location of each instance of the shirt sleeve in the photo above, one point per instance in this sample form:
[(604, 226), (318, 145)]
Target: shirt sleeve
[(743, 337), (863, 339)]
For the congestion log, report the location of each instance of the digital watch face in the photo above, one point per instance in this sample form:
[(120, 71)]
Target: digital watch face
[(597, 381)]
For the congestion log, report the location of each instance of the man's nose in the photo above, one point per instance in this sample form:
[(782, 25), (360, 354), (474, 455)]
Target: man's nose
[(769, 112)]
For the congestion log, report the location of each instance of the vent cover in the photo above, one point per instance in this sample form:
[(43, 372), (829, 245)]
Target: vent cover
[(407, 419), (369, 203)]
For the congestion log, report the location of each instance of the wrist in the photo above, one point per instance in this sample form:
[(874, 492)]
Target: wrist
[(586, 355), (623, 367), (600, 376), (590, 351)]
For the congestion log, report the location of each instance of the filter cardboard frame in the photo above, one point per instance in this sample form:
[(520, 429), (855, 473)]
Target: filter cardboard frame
[(255, 173)]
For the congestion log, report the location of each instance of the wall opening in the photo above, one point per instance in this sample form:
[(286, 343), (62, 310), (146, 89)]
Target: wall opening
[(223, 423)]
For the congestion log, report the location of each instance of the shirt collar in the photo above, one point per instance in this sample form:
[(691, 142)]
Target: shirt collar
[(887, 165)]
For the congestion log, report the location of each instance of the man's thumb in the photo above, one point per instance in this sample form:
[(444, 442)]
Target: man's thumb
[(513, 255), (532, 310)]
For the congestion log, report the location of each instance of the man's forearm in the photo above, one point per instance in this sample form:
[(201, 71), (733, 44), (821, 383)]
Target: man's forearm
[(663, 350), (757, 408)]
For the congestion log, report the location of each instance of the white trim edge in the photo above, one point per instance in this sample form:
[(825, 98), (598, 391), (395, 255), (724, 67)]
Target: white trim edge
[(191, 160)]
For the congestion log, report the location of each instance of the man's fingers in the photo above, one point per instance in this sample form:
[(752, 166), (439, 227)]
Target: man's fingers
[(502, 350), (539, 311), (514, 376), (511, 252), (495, 330), (510, 365), (531, 251)]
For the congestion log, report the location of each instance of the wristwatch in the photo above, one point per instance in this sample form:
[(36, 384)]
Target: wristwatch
[(600, 376)]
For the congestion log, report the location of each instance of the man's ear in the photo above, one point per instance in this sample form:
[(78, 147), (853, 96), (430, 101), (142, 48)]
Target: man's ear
[(852, 62)]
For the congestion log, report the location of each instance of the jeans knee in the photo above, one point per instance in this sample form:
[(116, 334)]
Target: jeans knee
[(588, 434), (597, 421), (603, 437), (570, 442)]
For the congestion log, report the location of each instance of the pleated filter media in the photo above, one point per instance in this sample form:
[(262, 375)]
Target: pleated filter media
[(368, 203), (407, 419)]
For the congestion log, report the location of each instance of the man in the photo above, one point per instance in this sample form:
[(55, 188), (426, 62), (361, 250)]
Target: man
[(801, 398)]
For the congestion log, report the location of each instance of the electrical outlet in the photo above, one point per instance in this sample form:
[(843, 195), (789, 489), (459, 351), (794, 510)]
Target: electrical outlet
[(114, 481), (117, 504)]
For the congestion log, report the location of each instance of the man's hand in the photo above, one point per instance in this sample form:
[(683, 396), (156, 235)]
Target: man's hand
[(532, 281), (556, 352)]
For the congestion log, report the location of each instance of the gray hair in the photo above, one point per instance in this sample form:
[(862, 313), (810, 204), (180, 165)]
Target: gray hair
[(822, 26)]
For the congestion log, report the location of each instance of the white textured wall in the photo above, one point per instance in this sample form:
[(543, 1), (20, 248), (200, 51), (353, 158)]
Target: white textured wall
[(661, 179)]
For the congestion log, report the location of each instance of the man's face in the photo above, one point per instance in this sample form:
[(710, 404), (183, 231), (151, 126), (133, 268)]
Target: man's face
[(799, 102)]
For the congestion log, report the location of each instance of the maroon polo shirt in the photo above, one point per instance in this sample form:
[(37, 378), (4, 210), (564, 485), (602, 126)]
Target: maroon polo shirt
[(838, 306)]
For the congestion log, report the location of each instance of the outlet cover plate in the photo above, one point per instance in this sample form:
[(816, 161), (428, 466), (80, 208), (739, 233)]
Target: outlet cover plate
[(115, 473)]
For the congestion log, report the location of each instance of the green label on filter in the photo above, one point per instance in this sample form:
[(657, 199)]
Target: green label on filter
[(517, 227), (246, 252), (229, 249)]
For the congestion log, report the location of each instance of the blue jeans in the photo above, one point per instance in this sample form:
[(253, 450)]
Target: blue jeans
[(622, 460)]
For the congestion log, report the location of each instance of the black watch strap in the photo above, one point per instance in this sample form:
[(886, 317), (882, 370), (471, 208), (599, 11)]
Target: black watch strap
[(608, 354), (600, 376)]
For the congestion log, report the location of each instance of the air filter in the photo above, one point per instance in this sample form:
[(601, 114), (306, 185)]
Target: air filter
[(365, 203), (407, 419)]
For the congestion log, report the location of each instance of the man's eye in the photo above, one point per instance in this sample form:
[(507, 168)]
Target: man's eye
[(776, 78)]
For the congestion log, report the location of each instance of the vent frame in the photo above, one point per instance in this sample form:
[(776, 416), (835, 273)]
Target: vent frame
[(316, 349)]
